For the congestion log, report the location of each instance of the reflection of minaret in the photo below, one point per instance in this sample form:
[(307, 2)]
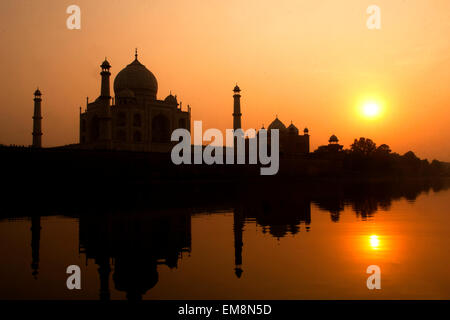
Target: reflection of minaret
[(35, 242), (104, 270), (238, 228)]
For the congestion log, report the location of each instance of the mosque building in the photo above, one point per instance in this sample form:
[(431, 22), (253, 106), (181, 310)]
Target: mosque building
[(135, 120), (290, 141)]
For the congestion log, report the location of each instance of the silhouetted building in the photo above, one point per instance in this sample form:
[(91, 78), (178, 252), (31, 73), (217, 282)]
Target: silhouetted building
[(237, 108), (291, 142), (135, 120), (37, 120), (332, 147)]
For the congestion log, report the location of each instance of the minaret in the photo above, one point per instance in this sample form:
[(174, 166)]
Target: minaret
[(104, 114), (237, 108), (105, 91), (238, 227), (37, 120)]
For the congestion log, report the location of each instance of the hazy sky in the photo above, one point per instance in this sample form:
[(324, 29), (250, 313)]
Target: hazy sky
[(312, 62)]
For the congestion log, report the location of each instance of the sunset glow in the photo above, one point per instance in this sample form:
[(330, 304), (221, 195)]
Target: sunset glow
[(371, 109), (267, 153), (313, 63)]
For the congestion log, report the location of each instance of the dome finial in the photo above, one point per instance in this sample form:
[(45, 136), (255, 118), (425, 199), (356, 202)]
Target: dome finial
[(135, 54)]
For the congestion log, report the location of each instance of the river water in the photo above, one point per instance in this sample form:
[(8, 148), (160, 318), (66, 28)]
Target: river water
[(309, 248)]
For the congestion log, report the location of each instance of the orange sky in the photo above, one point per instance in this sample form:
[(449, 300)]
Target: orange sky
[(307, 61)]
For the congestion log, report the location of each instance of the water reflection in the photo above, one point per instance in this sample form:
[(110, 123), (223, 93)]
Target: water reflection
[(35, 244), (374, 242), (366, 198), (127, 246), (134, 244)]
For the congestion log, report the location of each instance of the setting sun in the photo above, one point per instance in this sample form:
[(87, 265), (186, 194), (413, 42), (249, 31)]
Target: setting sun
[(371, 109)]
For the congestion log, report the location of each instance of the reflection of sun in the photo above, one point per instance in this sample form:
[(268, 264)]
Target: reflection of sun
[(371, 109), (374, 242)]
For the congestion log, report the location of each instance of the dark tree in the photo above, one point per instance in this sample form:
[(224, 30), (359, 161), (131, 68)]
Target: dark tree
[(410, 156), (383, 150), (363, 146)]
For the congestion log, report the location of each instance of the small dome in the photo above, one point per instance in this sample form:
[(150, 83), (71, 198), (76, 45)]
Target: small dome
[(306, 131), (126, 93), (37, 92), (277, 124), (138, 79), (105, 64), (292, 129), (333, 138), (171, 99), (236, 89)]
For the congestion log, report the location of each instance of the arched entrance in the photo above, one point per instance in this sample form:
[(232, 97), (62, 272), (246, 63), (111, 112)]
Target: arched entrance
[(160, 129)]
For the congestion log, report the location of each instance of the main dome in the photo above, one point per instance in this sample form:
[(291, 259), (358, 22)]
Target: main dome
[(137, 78), (277, 124)]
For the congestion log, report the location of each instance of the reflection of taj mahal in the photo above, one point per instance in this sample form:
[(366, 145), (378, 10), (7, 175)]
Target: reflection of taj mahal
[(135, 120)]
